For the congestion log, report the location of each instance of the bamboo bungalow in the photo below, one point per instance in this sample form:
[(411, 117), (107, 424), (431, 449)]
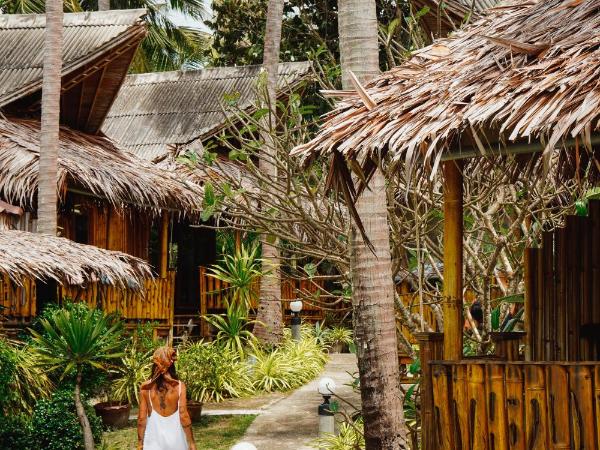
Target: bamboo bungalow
[(438, 17), (523, 79), (159, 115), (109, 198)]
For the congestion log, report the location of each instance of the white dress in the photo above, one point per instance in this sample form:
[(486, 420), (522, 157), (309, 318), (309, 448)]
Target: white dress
[(164, 433)]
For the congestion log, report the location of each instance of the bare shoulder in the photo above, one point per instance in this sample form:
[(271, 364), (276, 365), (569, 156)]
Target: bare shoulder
[(146, 385)]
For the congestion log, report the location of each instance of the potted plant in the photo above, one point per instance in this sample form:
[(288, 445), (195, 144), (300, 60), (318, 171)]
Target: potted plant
[(134, 369), (338, 339)]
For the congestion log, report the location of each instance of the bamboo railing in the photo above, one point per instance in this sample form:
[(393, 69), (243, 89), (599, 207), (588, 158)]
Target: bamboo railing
[(504, 405)]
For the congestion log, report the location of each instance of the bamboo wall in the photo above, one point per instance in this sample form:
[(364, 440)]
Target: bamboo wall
[(481, 405), (18, 301), (156, 303), (563, 292)]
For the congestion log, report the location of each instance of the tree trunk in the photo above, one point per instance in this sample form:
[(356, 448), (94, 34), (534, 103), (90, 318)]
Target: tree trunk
[(88, 438), (269, 327), (103, 5), (48, 171), (372, 282)]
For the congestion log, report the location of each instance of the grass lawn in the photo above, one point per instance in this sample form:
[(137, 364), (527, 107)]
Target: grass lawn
[(211, 433)]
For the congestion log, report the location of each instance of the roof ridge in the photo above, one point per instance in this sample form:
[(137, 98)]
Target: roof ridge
[(87, 18)]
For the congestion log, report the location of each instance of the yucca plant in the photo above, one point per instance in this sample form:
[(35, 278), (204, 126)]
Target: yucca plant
[(242, 272), (232, 328), (338, 336), (71, 342)]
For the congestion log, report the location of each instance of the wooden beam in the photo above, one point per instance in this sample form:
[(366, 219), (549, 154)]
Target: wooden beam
[(453, 261), (164, 245)]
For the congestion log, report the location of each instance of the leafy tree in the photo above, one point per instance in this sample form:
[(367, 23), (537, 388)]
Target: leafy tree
[(166, 47), (72, 342)]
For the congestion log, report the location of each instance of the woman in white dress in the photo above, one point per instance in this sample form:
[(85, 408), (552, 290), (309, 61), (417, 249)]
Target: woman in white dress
[(163, 419)]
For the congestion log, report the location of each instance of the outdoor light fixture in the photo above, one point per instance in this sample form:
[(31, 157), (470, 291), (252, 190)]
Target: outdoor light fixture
[(296, 307), (326, 416), (243, 446)]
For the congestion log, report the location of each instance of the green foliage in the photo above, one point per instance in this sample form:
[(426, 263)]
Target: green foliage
[(7, 370), (135, 368), (232, 328), (15, 433), (55, 425), (212, 373), (241, 271), (29, 382), (350, 437), (338, 335), (74, 339), (290, 366)]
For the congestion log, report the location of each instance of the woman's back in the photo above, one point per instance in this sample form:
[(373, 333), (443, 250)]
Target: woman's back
[(165, 401)]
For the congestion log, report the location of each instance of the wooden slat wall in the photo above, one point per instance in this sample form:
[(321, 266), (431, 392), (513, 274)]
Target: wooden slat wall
[(18, 301), (563, 292), (516, 406)]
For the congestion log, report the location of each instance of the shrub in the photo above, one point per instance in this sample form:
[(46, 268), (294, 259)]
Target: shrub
[(338, 335), (15, 433), (212, 373), (55, 425), (22, 380), (135, 368), (290, 366)]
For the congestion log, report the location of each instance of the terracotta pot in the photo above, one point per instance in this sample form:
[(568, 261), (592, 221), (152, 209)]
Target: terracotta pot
[(338, 347), (195, 410), (113, 414)]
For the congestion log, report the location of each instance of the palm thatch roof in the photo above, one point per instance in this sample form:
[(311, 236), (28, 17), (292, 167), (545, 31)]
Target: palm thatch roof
[(525, 73), (97, 50), (44, 257), (156, 112), (93, 163)]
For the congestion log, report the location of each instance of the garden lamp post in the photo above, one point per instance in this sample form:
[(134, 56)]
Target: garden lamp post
[(296, 307), (326, 416)]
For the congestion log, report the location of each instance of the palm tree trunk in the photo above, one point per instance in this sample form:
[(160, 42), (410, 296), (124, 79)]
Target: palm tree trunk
[(269, 327), (48, 170), (372, 282), (103, 5), (88, 438)]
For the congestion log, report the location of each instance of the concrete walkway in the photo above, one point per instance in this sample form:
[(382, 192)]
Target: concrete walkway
[(292, 423)]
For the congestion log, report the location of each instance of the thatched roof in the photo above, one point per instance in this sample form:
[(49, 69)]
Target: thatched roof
[(155, 112), (97, 50), (526, 72), (93, 163), (42, 256)]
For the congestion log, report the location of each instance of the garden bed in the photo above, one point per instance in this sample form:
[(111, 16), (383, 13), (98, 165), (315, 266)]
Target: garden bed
[(211, 433)]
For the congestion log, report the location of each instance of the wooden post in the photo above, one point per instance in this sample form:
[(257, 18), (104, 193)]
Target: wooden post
[(164, 245), (453, 261), (530, 303), (430, 348)]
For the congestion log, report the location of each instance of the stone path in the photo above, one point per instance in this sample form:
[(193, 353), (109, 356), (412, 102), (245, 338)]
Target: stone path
[(292, 423)]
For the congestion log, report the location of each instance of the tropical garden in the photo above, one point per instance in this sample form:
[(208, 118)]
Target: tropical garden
[(379, 233)]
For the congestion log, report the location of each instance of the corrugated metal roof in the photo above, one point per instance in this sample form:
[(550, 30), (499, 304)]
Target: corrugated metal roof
[(85, 36), (157, 110)]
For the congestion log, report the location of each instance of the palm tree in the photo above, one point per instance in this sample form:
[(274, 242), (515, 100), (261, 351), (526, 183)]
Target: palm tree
[(166, 47), (48, 170), (72, 341), (372, 282), (269, 326)]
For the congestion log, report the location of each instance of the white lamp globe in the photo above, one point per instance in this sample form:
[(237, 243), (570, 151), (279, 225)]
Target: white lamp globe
[(326, 386), (296, 306), (243, 446)]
